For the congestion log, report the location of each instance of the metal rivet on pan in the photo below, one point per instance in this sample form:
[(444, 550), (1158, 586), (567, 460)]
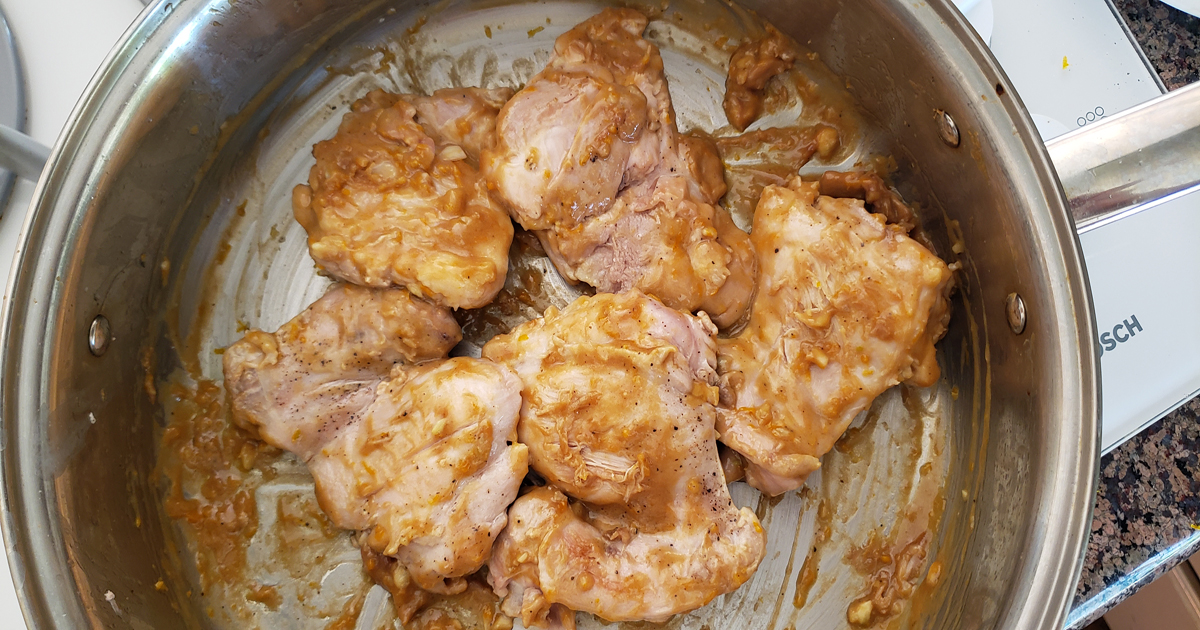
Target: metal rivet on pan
[(1014, 307), (947, 128), (99, 334)]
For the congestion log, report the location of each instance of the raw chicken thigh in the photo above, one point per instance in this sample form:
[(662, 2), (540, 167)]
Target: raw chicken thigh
[(387, 206), (847, 306), (588, 156), (298, 386), (430, 469), (421, 458), (619, 412)]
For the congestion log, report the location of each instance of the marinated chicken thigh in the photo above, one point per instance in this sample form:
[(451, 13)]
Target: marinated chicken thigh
[(421, 458), (429, 470), (847, 306), (619, 412), (596, 120), (588, 156), (387, 206), (295, 388)]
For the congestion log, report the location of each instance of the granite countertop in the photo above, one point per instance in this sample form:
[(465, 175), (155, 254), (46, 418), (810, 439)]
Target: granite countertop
[(1147, 514)]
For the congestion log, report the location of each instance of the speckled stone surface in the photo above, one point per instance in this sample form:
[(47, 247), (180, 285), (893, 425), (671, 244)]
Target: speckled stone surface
[(1170, 38), (1148, 500)]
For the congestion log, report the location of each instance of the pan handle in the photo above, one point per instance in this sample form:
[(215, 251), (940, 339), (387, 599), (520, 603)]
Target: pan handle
[(21, 154), (1124, 163)]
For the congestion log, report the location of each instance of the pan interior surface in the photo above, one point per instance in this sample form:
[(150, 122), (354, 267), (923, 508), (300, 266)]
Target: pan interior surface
[(182, 237)]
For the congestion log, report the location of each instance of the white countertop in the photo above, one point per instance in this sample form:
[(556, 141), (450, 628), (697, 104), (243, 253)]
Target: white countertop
[(62, 44)]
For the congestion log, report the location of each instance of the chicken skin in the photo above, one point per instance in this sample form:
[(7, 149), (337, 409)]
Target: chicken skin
[(387, 206), (465, 117), (588, 156), (847, 306), (417, 453), (619, 411)]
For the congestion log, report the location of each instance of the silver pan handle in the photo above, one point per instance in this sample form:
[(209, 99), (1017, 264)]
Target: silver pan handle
[(1118, 166), (21, 154)]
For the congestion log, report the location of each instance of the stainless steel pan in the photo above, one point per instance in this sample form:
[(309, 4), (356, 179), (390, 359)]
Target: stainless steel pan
[(136, 258)]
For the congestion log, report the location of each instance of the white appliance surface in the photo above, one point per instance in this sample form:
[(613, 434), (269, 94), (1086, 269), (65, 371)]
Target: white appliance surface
[(1072, 63), (1187, 6), (1145, 275)]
